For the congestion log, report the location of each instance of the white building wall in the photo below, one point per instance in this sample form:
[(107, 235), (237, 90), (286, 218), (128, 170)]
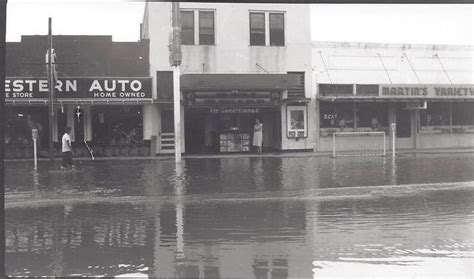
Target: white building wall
[(232, 52)]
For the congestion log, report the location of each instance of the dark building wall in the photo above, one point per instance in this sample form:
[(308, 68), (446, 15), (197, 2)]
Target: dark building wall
[(90, 56)]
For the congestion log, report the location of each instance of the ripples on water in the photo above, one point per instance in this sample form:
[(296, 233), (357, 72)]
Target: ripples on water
[(265, 239), (235, 175)]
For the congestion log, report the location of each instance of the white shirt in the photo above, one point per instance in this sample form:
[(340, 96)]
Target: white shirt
[(66, 139)]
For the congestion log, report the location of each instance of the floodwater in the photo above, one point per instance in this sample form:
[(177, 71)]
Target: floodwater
[(271, 217)]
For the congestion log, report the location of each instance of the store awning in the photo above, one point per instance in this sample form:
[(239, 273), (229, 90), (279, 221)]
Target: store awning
[(193, 82)]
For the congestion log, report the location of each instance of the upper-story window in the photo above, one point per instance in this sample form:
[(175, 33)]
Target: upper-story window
[(204, 34), (263, 23), (206, 28), (277, 29), (187, 27), (257, 29)]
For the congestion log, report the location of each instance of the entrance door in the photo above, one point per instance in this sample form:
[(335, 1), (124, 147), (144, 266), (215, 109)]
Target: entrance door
[(405, 133), (195, 132)]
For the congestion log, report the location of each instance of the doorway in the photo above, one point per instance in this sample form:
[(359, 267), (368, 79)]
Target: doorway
[(405, 132)]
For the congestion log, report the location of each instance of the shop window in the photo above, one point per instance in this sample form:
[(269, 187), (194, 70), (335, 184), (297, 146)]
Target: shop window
[(257, 29), (277, 29), (352, 117), (463, 117), (206, 28), (117, 125), (19, 124), (371, 116), (187, 27), (435, 118), (297, 125)]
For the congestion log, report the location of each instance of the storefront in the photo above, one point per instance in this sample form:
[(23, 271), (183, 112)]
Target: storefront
[(425, 116), (220, 111), (105, 112)]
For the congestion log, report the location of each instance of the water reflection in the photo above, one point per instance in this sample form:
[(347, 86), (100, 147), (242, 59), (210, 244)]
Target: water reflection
[(272, 239)]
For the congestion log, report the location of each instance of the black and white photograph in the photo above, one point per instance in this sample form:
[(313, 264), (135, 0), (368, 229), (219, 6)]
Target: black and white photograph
[(157, 139)]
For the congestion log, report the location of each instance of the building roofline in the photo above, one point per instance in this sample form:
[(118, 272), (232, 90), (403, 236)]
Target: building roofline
[(389, 45)]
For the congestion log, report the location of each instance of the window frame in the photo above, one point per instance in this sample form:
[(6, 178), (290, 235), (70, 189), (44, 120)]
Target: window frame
[(213, 27), (250, 28), (193, 26), (270, 28), (197, 25)]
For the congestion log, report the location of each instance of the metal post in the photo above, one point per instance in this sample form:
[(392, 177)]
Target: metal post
[(175, 61), (394, 126), (334, 145), (177, 114), (34, 152), (50, 89)]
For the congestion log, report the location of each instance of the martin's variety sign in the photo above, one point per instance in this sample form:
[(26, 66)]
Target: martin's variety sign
[(427, 91), (79, 88)]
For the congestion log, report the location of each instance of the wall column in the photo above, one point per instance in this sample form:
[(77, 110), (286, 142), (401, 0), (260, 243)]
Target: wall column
[(87, 112), (70, 119), (416, 127), (392, 118), (151, 123)]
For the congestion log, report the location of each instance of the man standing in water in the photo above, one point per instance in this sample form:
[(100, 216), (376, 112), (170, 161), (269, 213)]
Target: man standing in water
[(67, 149), (258, 135)]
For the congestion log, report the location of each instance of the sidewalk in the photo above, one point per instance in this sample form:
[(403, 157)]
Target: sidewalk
[(252, 155)]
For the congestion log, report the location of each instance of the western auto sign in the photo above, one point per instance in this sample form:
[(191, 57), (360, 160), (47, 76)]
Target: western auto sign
[(426, 91), (79, 88)]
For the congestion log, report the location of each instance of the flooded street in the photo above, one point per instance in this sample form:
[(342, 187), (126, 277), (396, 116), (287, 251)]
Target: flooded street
[(270, 217)]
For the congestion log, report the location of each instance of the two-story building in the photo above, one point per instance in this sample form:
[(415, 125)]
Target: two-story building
[(240, 62)]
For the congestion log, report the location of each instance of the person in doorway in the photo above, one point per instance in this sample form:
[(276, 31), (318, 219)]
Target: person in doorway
[(67, 149), (258, 135)]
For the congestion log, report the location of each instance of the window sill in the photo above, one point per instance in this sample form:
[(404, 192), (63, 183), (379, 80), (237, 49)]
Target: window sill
[(264, 46), (198, 45)]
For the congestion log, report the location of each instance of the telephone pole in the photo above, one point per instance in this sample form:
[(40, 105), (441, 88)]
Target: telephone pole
[(175, 62), (50, 88)]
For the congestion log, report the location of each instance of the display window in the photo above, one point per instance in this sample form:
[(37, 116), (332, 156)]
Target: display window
[(436, 118), (463, 117), (297, 122), (352, 117), (20, 121), (447, 117), (117, 125)]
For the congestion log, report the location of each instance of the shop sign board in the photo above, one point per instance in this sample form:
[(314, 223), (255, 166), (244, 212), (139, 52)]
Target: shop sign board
[(233, 110), (79, 88), (234, 98), (432, 91)]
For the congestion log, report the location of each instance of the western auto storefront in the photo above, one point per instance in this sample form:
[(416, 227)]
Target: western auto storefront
[(220, 111), (105, 112), (425, 116)]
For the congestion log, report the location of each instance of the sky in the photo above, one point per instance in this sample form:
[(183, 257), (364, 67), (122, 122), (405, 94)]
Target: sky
[(386, 23)]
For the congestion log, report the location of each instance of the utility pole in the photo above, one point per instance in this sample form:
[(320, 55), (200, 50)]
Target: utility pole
[(175, 62), (50, 88)]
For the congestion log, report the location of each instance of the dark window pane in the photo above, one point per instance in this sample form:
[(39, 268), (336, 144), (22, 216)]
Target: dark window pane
[(277, 30), (257, 29), (187, 27), (206, 28)]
